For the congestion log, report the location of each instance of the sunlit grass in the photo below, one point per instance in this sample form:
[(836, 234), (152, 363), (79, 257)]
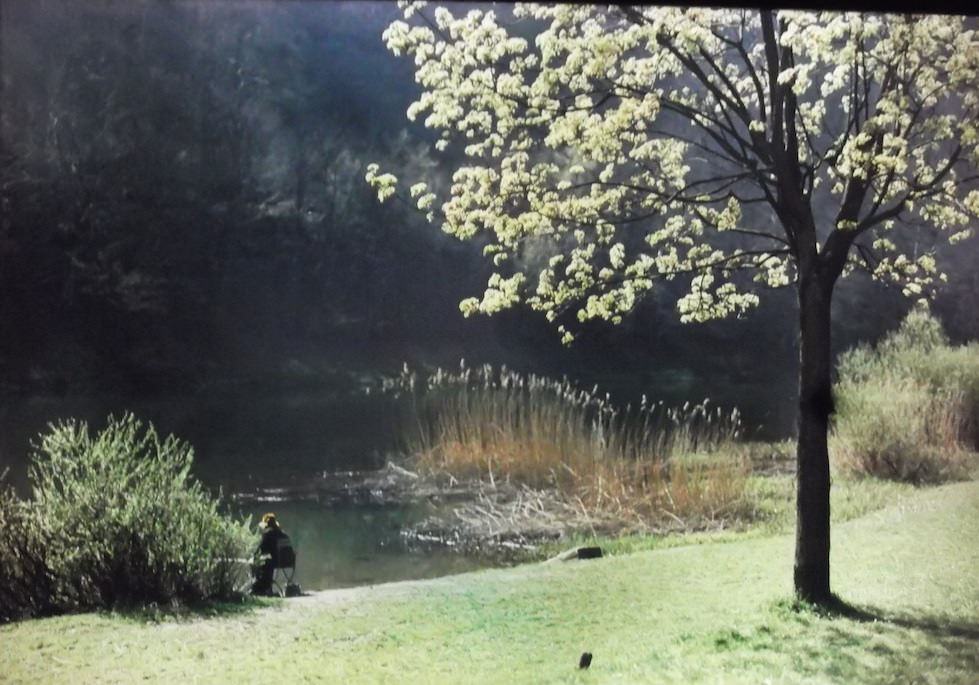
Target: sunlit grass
[(710, 613)]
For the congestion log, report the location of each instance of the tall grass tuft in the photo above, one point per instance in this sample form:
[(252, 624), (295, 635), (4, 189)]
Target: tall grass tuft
[(646, 463), (908, 409)]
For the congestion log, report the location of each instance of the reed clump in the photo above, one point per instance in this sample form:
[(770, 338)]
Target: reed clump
[(908, 409), (648, 463)]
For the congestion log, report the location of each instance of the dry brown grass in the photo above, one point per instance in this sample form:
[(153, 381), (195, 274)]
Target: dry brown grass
[(649, 463), (908, 409), (902, 429)]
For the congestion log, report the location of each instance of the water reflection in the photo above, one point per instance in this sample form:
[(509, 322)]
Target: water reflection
[(240, 441)]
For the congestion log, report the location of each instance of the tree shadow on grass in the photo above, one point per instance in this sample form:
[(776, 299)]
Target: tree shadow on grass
[(912, 645), (936, 626)]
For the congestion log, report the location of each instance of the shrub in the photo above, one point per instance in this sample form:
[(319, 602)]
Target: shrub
[(648, 462), (122, 520), (25, 580), (907, 410)]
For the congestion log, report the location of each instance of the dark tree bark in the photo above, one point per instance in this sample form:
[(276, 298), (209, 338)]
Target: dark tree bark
[(812, 543), (817, 274)]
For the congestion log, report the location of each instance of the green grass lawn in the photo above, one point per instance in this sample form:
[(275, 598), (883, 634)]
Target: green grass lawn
[(715, 613)]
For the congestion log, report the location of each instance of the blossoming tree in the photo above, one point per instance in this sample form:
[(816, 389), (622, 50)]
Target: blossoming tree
[(597, 151)]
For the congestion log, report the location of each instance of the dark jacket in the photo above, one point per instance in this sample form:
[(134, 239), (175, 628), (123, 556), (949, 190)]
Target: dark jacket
[(270, 543)]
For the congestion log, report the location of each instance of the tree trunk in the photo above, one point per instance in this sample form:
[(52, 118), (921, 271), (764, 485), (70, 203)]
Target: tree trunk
[(815, 408)]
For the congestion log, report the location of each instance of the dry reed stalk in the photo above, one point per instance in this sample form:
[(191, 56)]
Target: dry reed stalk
[(635, 463)]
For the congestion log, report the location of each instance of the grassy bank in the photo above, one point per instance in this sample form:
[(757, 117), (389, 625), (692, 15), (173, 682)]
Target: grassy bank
[(772, 512), (701, 613)]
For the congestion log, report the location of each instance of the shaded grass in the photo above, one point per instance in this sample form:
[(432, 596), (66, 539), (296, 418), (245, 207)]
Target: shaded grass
[(697, 613), (191, 611)]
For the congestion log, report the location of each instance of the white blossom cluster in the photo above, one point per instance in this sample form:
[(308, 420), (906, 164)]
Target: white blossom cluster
[(571, 142), (383, 183)]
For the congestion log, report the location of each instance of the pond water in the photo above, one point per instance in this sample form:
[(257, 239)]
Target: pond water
[(349, 545), (250, 443), (240, 440)]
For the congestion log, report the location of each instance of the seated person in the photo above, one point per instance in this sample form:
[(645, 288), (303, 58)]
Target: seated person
[(274, 540)]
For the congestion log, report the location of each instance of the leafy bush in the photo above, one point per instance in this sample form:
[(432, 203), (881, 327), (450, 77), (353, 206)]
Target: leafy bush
[(25, 580), (121, 521), (907, 409)]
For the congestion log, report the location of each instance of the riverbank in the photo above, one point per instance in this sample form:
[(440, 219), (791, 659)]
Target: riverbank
[(501, 522), (697, 613)]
